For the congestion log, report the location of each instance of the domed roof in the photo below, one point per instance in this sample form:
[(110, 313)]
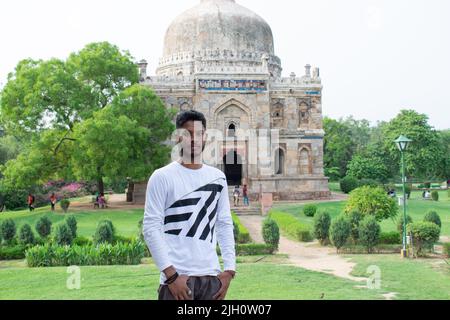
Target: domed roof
[(218, 24)]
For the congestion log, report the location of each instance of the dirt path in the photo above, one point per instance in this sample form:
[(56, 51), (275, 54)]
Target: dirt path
[(309, 256), (115, 202)]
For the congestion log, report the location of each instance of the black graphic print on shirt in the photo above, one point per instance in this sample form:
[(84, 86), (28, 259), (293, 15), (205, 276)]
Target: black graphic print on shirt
[(194, 215)]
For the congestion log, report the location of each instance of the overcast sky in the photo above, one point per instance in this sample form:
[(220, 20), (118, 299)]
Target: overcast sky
[(376, 56)]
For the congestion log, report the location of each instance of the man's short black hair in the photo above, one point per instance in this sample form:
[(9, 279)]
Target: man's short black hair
[(191, 115)]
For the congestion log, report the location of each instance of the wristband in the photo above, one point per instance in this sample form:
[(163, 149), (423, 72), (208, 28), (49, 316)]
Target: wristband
[(172, 279)]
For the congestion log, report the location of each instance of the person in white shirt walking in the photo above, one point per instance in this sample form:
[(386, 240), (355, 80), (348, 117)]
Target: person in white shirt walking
[(187, 213)]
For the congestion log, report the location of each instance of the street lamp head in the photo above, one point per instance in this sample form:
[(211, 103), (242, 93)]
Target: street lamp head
[(402, 143)]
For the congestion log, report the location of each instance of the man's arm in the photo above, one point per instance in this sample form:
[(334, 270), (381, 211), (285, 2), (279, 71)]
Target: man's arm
[(154, 221), (153, 231), (225, 238)]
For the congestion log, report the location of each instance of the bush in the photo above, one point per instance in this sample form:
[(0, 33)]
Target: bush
[(427, 185), (14, 199), (348, 184), (12, 253), (235, 231), (8, 230), (322, 222), (372, 201), (104, 233), (65, 203), (271, 233), (44, 227), (432, 216), (393, 237), (369, 233), (292, 226), (63, 235), (424, 236), (447, 249), (253, 249), (340, 232), (81, 241), (310, 210), (435, 195), (72, 223), (94, 255), (121, 239), (354, 217), (400, 223), (26, 235), (243, 233)]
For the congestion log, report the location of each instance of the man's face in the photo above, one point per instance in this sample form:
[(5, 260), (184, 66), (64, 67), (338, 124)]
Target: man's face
[(193, 141)]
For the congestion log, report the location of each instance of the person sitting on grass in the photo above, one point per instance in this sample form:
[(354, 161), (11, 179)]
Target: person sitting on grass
[(102, 201)]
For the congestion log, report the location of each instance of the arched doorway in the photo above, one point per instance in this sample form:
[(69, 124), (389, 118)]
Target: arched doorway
[(233, 168)]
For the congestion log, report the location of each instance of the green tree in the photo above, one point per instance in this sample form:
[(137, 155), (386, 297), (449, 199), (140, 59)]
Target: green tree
[(372, 201), (367, 167), (425, 154)]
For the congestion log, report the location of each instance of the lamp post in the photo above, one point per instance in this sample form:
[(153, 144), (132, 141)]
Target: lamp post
[(402, 143)]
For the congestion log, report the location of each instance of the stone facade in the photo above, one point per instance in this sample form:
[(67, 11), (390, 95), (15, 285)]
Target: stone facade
[(219, 59)]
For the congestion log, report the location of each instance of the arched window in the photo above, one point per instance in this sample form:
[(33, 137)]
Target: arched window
[(305, 162), (232, 130), (279, 162)]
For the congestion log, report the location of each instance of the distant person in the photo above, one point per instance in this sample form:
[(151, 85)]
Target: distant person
[(245, 195), (102, 201), (31, 199), (236, 195), (53, 201)]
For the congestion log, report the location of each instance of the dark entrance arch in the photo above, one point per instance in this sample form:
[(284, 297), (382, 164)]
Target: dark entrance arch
[(233, 168)]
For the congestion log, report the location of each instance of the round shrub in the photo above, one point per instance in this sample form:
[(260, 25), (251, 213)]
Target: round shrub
[(372, 201), (424, 235), (435, 195), (339, 232), (103, 233), (400, 223), (64, 203), (369, 233), (354, 217), (348, 184), (63, 235), (8, 230), (310, 210), (26, 235), (271, 233), (72, 223), (111, 225), (44, 227), (432, 216), (322, 222)]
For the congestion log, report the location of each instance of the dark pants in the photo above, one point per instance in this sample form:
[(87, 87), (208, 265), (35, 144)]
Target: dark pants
[(203, 288)]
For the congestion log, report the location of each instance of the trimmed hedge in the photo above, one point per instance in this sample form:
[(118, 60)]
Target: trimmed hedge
[(271, 232), (100, 255), (243, 235), (44, 227), (425, 235), (348, 184), (292, 227), (393, 237), (12, 253), (340, 232), (432, 216)]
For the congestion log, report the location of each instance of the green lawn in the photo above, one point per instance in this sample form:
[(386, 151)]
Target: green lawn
[(417, 208), (125, 221), (411, 279), (256, 280)]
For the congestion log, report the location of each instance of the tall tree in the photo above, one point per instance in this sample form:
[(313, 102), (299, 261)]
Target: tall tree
[(425, 153)]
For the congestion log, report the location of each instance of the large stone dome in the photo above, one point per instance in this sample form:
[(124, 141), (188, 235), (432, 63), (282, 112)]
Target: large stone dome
[(219, 26)]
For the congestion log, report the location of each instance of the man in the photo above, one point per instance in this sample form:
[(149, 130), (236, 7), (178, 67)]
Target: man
[(30, 202), (236, 195), (245, 195), (187, 212), (53, 201)]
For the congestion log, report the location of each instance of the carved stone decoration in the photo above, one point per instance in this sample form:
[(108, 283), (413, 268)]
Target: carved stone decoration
[(277, 107), (304, 107), (305, 165), (185, 104)]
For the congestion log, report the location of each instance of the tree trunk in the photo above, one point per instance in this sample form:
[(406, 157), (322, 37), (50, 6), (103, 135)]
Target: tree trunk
[(100, 184)]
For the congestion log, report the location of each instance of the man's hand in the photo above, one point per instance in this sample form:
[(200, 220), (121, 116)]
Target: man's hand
[(225, 278), (180, 289)]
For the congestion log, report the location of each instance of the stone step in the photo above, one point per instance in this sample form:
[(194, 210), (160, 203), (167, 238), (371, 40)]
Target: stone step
[(247, 211)]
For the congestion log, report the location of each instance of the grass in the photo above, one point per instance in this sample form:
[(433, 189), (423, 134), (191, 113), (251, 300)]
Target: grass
[(424, 279), (417, 208), (125, 221), (262, 280)]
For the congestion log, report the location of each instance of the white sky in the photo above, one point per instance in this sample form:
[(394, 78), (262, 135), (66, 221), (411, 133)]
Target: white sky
[(376, 56)]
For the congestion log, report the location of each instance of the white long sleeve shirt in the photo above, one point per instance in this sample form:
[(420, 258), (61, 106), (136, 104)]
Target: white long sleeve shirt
[(187, 213)]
